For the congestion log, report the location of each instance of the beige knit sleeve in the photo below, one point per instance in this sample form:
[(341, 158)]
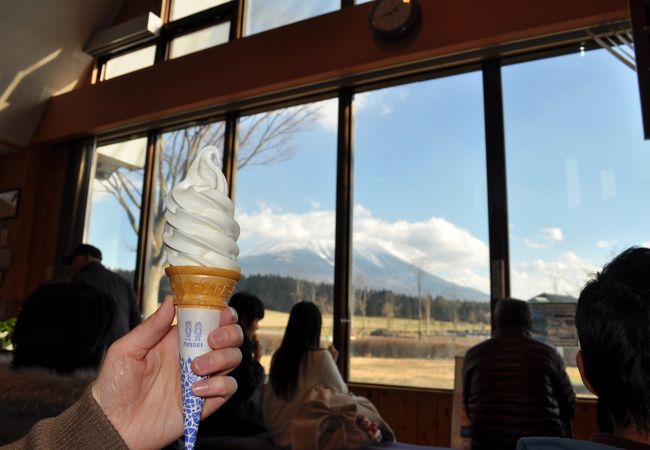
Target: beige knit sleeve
[(82, 426)]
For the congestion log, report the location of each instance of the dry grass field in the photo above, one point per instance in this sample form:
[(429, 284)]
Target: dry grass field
[(415, 372), (276, 321)]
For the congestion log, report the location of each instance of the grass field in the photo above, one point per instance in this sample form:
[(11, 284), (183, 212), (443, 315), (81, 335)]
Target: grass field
[(415, 372), (276, 321)]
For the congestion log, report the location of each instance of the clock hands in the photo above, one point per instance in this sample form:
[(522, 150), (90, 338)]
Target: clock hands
[(389, 13)]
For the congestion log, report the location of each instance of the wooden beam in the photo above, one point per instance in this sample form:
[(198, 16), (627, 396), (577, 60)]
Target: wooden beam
[(328, 47)]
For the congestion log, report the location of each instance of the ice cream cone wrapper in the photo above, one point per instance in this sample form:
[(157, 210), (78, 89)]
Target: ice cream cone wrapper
[(201, 294)]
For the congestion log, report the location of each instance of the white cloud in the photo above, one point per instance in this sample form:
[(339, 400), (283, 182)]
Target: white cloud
[(315, 204), (271, 225), (327, 114), (545, 237), (646, 244), (602, 244), (436, 245), (327, 110), (565, 275)]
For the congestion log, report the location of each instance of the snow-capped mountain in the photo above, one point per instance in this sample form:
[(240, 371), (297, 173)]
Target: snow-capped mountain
[(373, 267)]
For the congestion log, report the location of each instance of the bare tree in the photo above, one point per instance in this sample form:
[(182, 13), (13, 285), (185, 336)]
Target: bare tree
[(359, 299), (324, 304), (419, 276), (427, 311), (389, 309), (263, 139)]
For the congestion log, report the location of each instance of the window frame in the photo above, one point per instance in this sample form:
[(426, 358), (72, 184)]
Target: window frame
[(497, 207)]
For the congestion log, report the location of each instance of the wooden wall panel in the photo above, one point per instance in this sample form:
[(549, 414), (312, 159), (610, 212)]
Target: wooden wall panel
[(39, 174), (426, 422), (321, 49), (423, 416), (584, 424)]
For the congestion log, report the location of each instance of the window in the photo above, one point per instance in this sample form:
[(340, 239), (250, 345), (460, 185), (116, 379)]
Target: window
[(115, 201), (262, 15), (578, 176), (183, 8), (175, 151), (199, 40), (129, 62), (420, 234), (285, 205)]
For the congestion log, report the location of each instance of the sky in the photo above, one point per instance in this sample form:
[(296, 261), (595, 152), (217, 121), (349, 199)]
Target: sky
[(577, 176)]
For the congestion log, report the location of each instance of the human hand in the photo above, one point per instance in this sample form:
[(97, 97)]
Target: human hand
[(333, 351), (370, 427), (138, 386)]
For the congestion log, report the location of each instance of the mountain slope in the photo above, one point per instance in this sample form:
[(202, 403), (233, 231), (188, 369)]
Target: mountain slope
[(374, 268)]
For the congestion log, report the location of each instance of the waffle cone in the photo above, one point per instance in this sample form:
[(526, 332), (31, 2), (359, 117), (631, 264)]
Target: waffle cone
[(201, 287)]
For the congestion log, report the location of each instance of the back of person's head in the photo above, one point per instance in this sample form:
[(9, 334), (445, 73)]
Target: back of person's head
[(613, 323), (249, 308), (64, 327), (511, 312), (301, 335)]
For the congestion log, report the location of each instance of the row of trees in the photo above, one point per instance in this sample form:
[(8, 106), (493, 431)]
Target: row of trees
[(281, 293)]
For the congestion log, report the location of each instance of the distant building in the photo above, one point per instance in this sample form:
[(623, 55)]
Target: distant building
[(552, 298)]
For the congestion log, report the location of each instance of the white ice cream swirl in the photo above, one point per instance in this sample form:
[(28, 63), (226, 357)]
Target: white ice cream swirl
[(200, 228)]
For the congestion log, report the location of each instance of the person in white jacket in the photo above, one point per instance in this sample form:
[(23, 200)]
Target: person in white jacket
[(296, 368)]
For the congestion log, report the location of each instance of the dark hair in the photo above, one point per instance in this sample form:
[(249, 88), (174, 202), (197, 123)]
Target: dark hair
[(613, 322), (301, 335), (64, 327), (248, 307), (511, 312)]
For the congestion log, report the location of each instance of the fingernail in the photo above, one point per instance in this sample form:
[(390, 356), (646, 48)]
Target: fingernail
[(219, 337), (234, 317), (201, 365), (200, 388)]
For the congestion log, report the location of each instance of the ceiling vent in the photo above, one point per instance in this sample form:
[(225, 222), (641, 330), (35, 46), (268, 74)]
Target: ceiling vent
[(124, 35)]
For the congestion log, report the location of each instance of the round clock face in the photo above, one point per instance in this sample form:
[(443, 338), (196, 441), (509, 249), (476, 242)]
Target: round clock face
[(393, 18)]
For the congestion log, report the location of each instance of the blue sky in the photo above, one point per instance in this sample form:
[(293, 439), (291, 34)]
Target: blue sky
[(577, 174)]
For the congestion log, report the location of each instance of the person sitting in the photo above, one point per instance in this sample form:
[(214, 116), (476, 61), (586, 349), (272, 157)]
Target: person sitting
[(60, 338), (303, 375), (86, 266), (613, 323), (514, 385), (134, 404), (242, 414)]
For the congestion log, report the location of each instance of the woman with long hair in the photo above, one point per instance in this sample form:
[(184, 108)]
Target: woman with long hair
[(297, 367)]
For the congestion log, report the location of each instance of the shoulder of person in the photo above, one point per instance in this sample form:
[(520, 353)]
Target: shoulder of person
[(322, 356)]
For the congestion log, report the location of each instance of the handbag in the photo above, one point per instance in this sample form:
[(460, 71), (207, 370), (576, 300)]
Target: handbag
[(330, 420)]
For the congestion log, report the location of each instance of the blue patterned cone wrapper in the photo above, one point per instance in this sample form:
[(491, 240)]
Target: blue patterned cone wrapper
[(194, 325)]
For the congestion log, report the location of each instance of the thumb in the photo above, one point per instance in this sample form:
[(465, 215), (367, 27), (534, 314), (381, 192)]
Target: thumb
[(146, 335)]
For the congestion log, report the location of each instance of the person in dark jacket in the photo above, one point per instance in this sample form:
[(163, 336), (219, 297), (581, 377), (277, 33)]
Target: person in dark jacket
[(86, 264), (613, 323), (514, 385), (61, 336), (242, 414)]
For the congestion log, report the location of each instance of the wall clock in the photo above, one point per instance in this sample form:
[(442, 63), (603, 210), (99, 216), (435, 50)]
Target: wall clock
[(392, 19)]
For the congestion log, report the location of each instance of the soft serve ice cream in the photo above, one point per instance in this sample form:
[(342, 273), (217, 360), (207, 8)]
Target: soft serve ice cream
[(200, 241), (201, 229)]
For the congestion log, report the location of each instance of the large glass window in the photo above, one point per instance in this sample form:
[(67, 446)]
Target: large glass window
[(199, 40), (285, 205), (175, 152), (183, 8), (578, 179), (262, 15), (114, 204), (129, 62), (420, 234)]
